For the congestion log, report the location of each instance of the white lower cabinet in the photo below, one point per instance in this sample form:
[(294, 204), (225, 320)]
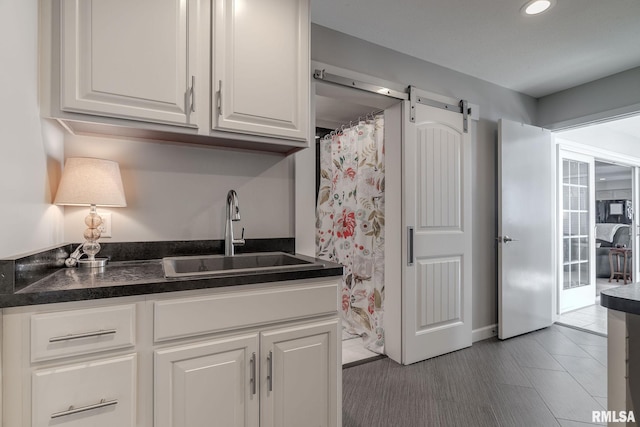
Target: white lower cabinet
[(299, 384), (99, 393), (217, 383), (262, 355), (212, 383)]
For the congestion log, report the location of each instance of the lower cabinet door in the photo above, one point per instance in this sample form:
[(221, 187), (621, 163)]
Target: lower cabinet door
[(300, 377), (211, 383), (99, 393)]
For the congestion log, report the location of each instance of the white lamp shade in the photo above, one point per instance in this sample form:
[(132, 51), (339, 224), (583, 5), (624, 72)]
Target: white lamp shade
[(86, 181)]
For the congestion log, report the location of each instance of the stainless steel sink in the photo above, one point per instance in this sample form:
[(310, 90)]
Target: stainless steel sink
[(216, 265)]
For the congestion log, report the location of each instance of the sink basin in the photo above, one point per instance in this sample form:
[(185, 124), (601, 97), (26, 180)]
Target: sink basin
[(216, 265)]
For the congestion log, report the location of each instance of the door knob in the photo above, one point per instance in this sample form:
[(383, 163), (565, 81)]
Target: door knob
[(505, 239)]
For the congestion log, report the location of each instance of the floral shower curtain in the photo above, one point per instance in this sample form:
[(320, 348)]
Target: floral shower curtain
[(350, 223)]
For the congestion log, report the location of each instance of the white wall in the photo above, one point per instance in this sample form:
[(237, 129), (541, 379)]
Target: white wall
[(178, 192), (31, 149), (341, 50), (602, 137)]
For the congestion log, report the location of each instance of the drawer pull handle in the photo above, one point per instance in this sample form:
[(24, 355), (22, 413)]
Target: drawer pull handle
[(102, 404), (83, 335)]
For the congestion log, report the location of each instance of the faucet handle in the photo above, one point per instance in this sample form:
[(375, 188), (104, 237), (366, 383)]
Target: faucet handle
[(240, 241)]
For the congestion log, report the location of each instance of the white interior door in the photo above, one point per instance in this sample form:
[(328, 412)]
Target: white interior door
[(526, 228), (635, 225), (437, 217), (576, 198)]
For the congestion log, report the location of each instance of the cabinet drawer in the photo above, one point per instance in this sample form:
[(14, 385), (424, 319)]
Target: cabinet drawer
[(99, 393), (202, 315), (71, 333)]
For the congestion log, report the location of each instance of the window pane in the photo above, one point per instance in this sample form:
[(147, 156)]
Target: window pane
[(575, 249), (575, 275), (584, 199), (575, 221), (584, 249), (566, 277), (574, 172), (584, 173), (575, 202), (584, 223), (565, 171), (584, 274)]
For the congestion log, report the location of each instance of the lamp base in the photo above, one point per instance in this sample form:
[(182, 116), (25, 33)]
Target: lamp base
[(93, 263)]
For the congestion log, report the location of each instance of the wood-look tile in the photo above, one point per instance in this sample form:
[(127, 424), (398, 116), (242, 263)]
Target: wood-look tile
[(564, 396), (493, 362), (528, 353), (519, 406), (471, 387), (556, 343), (591, 374), (597, 352), (582, 338), (456, 414), (602, 401), (570, 423)]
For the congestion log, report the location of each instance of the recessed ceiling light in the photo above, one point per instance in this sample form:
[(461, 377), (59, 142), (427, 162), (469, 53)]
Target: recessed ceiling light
[(536, 7)]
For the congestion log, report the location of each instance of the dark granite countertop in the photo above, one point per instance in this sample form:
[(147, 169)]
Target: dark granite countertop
[(624, 298), (41, 278), (120, 279)]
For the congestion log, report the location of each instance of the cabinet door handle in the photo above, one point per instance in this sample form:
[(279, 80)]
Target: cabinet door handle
[(270, 371), (220, 97), (102, 404), (252, 378), (193, 94), (409, 246), (83, 335)]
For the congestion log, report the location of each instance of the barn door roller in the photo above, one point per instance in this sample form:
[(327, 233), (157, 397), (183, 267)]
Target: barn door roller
[(462, 107)]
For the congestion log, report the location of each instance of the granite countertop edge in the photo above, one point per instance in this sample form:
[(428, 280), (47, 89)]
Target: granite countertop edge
[(625, 298), (121, 279)]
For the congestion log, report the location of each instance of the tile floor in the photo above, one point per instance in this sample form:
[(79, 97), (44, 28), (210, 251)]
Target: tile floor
[(552, 377), (353, 350), (592, 318)]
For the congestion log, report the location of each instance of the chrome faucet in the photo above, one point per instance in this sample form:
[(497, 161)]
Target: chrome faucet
[(233, 214)]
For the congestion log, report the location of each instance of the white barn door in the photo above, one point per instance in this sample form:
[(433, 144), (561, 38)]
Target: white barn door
[(437, 222)]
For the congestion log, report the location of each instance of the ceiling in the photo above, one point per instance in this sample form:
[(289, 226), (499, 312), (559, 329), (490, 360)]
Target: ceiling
[(575, 42)]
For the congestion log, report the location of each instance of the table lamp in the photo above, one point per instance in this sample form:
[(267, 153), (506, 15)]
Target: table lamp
[(90, 182)]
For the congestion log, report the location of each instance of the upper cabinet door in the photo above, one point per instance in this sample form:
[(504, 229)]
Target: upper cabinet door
[(261, 67), (132, 59)]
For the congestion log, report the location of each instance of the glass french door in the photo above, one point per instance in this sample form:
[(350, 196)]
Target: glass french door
[(577, 228)]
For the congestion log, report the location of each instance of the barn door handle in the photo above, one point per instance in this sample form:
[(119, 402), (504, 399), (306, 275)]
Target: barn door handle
[(409, 246)]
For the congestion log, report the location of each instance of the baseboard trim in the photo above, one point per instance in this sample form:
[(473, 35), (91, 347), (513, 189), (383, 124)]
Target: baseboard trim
[(484, 333)]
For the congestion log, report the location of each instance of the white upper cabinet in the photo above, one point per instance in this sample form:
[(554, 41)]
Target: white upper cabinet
[(217, 72), (261, 67), (132, 59)]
